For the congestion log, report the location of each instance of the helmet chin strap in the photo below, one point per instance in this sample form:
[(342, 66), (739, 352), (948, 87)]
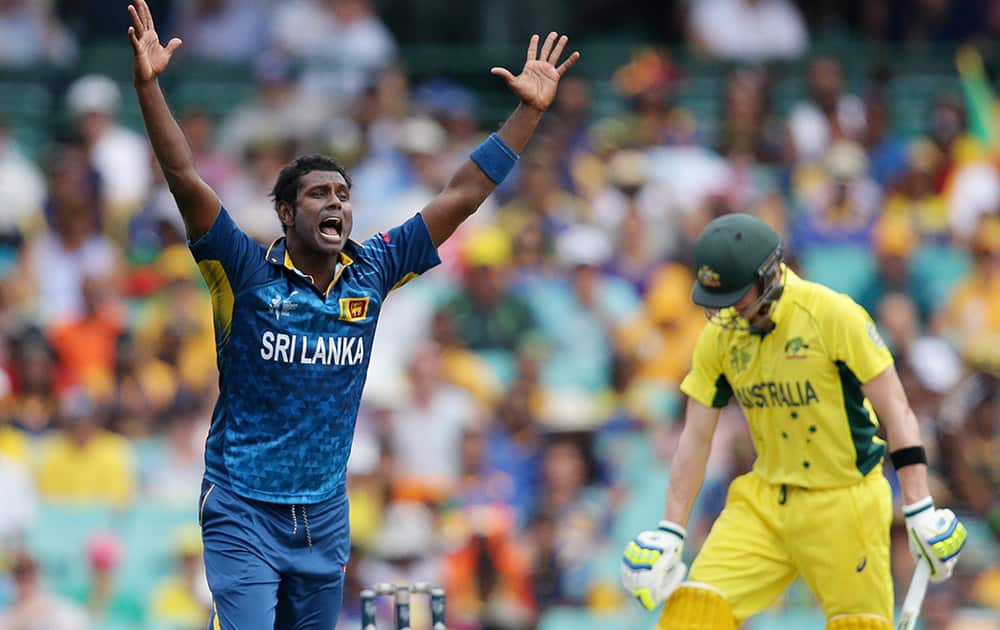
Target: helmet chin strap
[(766, 301)]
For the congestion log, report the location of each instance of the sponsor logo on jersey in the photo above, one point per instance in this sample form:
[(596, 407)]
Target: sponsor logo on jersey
[(795, 348), (777, 394), (353, 309)]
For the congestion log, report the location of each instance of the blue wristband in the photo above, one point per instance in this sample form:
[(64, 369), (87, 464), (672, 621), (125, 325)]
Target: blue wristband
[(494, 158)]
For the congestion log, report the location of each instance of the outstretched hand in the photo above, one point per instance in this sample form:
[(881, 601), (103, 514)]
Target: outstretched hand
[(151, 58), (537, 83)]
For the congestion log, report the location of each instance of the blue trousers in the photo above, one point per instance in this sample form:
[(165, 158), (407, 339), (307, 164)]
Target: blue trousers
[(272, 566)]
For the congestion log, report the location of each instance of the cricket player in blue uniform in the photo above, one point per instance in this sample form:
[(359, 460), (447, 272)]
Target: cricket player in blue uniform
[(294, 326)]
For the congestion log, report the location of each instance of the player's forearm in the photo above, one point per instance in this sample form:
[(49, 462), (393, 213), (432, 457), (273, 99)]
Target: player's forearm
[(903, 431), (470, 186), (901, 428), (520, 126), (687, 472), (913, 481), (686, 476), (198, 203), (169, 144)]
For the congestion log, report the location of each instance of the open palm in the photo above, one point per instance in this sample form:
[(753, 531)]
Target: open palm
[(537, 83), (151, 58)]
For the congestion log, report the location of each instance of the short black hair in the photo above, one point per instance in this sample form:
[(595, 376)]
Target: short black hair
[(287, 187)]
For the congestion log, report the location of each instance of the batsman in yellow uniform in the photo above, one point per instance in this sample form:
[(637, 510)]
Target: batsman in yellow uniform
[(814, 379)]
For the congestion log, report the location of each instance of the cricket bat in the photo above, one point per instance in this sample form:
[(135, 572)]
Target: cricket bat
[(915, 596)]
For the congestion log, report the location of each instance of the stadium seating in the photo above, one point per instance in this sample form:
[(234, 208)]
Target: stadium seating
[(941, 267), (844, 268), (147, 533), (59, 540), (27, 108), (28, 98), (911, 97)]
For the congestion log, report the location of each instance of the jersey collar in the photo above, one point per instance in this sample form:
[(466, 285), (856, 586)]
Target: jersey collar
[(277, 254)]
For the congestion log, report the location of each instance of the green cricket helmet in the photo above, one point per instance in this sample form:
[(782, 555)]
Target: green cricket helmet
[(734, 253)]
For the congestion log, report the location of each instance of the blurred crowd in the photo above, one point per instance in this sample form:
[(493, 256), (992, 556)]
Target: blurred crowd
[(522, 406)]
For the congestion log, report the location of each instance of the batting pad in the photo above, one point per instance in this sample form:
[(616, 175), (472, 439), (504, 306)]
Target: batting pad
[(696, 606), (858, 622)]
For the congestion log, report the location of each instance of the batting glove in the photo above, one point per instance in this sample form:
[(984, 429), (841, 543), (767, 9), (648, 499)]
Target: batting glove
[(936, 536), (651, 564)]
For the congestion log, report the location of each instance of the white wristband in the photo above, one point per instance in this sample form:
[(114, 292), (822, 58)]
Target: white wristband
[(672, 528), (911, 510)]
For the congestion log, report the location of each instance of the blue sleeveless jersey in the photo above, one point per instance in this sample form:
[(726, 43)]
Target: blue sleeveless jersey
[(293, 359)]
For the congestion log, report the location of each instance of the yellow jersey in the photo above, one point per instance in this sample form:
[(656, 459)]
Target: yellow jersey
[(799, 386)]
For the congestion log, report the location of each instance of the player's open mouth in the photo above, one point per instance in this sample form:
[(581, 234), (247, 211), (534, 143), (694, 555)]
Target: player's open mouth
[(331, 228)]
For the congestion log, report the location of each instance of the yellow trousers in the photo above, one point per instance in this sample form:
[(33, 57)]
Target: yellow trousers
[(836, 539)]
